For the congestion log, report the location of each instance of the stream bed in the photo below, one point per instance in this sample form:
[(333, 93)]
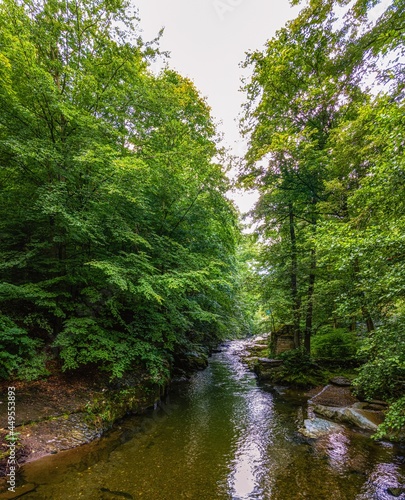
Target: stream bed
[(221, 436)]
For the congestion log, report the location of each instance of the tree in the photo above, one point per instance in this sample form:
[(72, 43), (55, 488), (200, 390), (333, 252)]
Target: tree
[(117, 239), (319, 133), (293, 103)]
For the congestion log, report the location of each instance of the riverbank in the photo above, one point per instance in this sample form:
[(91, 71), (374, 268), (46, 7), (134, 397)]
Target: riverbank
[(333, 399), (65, 411)]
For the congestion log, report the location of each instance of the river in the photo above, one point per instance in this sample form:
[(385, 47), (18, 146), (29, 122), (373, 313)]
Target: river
[(221, 436)]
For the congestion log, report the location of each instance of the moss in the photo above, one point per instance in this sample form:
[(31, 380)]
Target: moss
[(110, 406), (300, 370), (297, 379)]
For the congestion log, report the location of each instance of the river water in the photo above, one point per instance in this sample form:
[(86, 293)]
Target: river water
[(221, 436)]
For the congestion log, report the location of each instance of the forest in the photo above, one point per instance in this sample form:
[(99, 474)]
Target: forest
[(120, 246), (325, 123)]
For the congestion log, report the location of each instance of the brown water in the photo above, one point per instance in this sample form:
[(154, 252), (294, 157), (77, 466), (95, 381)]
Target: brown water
[(221, 437)]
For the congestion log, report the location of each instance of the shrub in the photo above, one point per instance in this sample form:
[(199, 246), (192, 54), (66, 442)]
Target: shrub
[(394, 423), (19, 356), (335, 344), (83, 342), (383, 374), (299, 369)]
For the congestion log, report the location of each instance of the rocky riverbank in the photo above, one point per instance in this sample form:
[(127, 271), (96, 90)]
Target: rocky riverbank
[(66, 411), (63, 412), (329, 405)]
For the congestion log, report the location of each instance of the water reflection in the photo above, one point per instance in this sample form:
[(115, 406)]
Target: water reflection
[(222, 437), (248, 466), (384, 483)]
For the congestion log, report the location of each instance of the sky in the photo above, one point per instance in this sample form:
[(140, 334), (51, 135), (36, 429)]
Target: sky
[(207, 40)]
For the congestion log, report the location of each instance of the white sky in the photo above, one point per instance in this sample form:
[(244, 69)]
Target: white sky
[(207, 40)]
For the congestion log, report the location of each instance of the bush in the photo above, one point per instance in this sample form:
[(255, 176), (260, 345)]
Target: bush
[(383, 374), (394, 423), (19, 356), (84, 342), (335, 344), (299, 369)]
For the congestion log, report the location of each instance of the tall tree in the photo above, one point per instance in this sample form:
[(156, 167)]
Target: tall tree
[(342, 115), (293, 102)]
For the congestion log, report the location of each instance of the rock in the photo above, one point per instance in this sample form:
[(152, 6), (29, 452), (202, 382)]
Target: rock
[(377, 402), (270, 363), (262, 338), (250, 361), (375, 407), (364, 419), (112, 494), (19, 492), (341, 381), (396, 492), (280, 389), (257, 350), (360, 405), (265, 368), (191, 361), (332, 395), (317, 427), (180, 379)]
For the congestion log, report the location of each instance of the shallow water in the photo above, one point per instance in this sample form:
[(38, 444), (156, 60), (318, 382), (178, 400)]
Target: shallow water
[(221, 437)]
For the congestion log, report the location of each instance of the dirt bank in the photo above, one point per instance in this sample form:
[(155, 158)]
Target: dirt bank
[(63, 411)]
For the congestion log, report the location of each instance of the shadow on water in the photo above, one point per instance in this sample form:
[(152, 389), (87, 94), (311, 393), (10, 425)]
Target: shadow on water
[(221, 437)]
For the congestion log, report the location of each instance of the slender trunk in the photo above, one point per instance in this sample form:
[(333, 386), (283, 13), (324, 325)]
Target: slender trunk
[(353, 324), (311, 283), (364, 309), (310, 303), (293, 281), (368, 319)]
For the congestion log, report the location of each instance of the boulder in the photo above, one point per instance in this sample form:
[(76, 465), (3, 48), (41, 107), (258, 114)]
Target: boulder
[(265, 368), (332, 395), (396, 492), (269, 363), (361, 405), (188, 362), (364, 419), (317, 427), (341, 381), (377, 402), (250, 361), (257, 349), (19, 492)]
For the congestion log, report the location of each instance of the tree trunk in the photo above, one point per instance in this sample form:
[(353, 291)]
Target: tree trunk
[(364, 309), (310, 304), (368, 319), (293, 281), (353, 324)]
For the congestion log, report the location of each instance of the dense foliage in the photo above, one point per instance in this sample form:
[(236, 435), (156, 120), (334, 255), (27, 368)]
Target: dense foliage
[(325, 123), (117, 241)]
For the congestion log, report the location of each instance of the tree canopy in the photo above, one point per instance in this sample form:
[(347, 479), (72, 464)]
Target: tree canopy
[(117, 239)]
